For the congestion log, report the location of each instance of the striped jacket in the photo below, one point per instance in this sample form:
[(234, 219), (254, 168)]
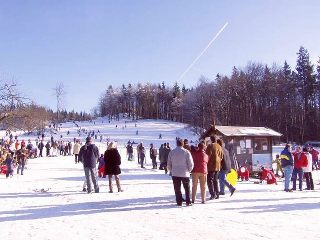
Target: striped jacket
[(286, 158)]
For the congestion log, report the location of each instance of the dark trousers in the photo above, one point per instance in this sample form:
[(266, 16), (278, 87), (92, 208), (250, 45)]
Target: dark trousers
[(40, 154), (212, 181), (309, 181), (154, 162), (21, 166), (177, 188), (299, 172), (165, 167), (76, 158), (9, 172), (141, 161)]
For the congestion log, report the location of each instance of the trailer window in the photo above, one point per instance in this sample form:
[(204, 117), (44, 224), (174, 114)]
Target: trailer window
[(261, 144)]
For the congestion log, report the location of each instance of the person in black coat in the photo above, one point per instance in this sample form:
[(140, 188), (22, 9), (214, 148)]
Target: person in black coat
[(41, 146), (112, 161), (48, 147)]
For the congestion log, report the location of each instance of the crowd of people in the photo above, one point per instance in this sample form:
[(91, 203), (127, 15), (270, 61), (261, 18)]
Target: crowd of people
[(208, 164), (298, 164), (15, 153)]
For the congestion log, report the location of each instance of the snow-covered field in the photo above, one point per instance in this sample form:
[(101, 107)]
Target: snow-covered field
[(146, 209)]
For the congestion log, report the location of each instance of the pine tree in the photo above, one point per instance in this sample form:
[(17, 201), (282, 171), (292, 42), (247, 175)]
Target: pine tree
[(176, 91), (307, 86), (184, 90)]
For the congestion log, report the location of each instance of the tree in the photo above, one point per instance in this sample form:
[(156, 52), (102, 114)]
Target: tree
[(318, 81), (37, 118), (11, 104), (307, 86), (60, 92)]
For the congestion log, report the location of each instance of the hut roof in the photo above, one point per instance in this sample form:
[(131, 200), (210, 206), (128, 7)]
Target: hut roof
[(242, 131)]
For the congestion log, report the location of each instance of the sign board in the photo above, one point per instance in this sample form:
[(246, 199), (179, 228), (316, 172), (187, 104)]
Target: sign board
[(261, 160)]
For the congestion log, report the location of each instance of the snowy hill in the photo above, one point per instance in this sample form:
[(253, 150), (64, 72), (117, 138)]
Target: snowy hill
[(146, 209)]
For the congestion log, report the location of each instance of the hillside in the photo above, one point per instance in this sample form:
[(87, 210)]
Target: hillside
[(146, 209)]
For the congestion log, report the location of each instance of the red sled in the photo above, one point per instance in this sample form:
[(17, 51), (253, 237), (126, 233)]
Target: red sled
[(3, 169)]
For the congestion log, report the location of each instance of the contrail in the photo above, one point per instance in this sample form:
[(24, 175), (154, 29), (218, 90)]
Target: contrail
[(204, 50)]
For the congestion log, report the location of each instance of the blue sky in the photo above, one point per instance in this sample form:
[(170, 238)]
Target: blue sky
[(89, 45)]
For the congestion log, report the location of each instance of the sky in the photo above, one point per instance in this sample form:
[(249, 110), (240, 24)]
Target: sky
[(90, 45)]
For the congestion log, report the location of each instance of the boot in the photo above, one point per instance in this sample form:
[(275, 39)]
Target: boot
[(110, 184), (118, 183)]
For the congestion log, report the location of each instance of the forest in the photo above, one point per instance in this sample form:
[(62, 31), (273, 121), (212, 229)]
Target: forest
[(278, 97)]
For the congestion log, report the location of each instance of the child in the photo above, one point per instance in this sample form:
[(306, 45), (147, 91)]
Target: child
[(9, 163), (101, 166), (243, 173), (279, 166), (269, 176)]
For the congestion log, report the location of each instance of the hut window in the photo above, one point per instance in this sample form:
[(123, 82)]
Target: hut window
[(261, 144)]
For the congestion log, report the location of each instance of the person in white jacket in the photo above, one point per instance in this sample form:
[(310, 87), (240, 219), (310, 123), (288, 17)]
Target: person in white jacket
[(308, 170), (180, 164), (76, 150)]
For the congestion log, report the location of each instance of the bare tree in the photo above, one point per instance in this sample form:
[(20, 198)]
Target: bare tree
[(60, 92), (37, 118), (11, 101)]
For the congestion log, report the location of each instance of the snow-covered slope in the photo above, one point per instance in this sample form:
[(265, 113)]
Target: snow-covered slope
[(146, 209)]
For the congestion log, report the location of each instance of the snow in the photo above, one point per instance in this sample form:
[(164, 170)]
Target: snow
[(146, 209)]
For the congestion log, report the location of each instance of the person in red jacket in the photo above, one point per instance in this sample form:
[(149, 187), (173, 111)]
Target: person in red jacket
[(300, 161), (269, 176), (243, 173), (199, 172)]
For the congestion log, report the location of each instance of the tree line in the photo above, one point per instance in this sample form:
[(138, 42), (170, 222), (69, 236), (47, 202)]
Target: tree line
[(279, 97), (18, 112)]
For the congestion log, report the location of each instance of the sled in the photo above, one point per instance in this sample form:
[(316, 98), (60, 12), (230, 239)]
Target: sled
[(41, 190)]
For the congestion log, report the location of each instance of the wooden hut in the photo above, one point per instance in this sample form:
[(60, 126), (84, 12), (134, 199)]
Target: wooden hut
[(248, 146)]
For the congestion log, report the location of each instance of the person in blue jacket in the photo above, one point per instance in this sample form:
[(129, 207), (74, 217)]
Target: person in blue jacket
[(287, 165)]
